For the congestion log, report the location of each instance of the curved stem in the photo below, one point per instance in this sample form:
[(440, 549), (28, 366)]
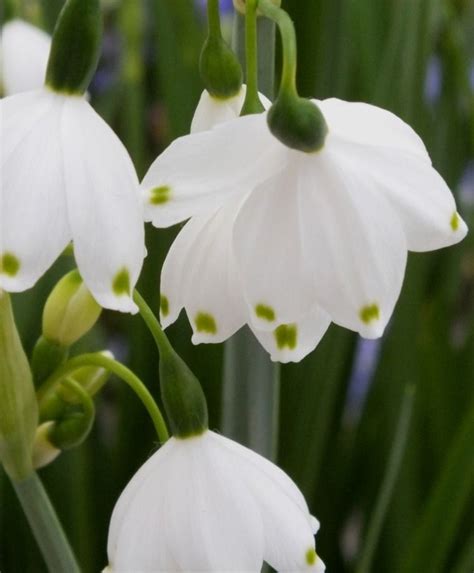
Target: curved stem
[(152, 323), (45, 525), (214, 19), (288, 38), (97, 359), (252, 103)]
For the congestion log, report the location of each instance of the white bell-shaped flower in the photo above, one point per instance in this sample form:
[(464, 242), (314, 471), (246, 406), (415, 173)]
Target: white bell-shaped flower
[(288, 241), (66, 175), (24, 56), (209, 504)]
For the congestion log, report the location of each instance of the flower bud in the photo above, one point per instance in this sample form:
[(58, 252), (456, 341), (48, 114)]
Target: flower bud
[(76, 47), (44, 452), (18, 406), (298, 123), (220, 69), (70, 311)]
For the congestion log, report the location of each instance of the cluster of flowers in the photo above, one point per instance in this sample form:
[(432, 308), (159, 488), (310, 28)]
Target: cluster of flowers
[(280, 239)]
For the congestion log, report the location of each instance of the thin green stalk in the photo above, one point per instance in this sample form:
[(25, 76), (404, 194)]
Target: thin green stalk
[(288, 38), (97, 359), (45, 525), (214, 19), (252, 103), (152, 323), (389, 481)]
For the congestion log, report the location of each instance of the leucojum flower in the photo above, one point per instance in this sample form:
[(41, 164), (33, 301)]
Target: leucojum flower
[(287, 240), (66, 175), (205, 503), (24, 53)]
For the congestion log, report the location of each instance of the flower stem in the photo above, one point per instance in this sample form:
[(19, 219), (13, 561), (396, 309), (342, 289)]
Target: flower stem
[(389, 481), (97, 359), (152, 323), (214, 19), (288, 38), (45, 525), (252, 103)]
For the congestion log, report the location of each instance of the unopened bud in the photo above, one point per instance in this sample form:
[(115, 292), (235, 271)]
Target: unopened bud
[(44, 452)]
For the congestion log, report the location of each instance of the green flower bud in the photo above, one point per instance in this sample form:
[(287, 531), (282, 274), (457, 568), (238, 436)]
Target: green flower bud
[(75, 48), (298, 123), (182, 396), (70, 311), (18, 406), (44, 452), (92, 378), (47, 356), (220, 69)]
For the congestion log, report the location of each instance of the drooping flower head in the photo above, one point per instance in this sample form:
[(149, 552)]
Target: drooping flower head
[(66, 175)]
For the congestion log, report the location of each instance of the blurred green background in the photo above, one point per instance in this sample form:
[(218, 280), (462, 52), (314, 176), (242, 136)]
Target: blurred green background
[(344, 406)]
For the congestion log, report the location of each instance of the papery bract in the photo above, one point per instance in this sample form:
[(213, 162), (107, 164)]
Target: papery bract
[(208, 504)]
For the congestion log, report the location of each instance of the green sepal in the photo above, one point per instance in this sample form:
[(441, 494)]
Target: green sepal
[(75, 48), (47, 357), (220, 69), (182, 396), (18, 406), (298, 123)]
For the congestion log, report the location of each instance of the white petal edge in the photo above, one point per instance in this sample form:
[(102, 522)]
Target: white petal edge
[(34, 228), (104, 206)]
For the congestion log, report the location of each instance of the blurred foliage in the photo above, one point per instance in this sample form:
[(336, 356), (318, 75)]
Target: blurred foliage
[(416, 58)]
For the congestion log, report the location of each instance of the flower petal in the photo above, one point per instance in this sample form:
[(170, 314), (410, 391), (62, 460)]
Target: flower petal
[(200, 172), (354, 243), (24, 56), (367, 124), (288, 525), (268, 247), (34, 228), (417, 192), (103, 205), (211, 111), (210, 283), (292, 342)]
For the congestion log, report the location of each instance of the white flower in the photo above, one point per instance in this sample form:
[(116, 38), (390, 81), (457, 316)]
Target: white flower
[(208, 504), (24, 56), (66, 175), (282, 237)]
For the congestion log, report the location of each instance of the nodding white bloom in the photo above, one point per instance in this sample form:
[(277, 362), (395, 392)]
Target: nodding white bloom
[(66, 175), (288, 241), (208, 504), (24, 57)]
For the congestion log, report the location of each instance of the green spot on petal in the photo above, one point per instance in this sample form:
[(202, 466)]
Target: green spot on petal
[(265, 312), (9, 264), (164, 305), (311, 556), (286, 336), (455, 221), (205, 322), (121, 283), (369, 313), (160, 195)]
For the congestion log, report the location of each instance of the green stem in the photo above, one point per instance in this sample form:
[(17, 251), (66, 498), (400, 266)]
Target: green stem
[(214, 19), (152, 323), (97, 359), (252, 103), (389, 481), (45, 525), (288, 38)]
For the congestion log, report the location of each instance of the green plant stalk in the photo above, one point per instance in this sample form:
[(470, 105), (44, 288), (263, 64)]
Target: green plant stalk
[(152, 323), (288, 38), (388, 483), (251, 382), (213, 18), (45, 525), (97, 359), (252, 103)]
